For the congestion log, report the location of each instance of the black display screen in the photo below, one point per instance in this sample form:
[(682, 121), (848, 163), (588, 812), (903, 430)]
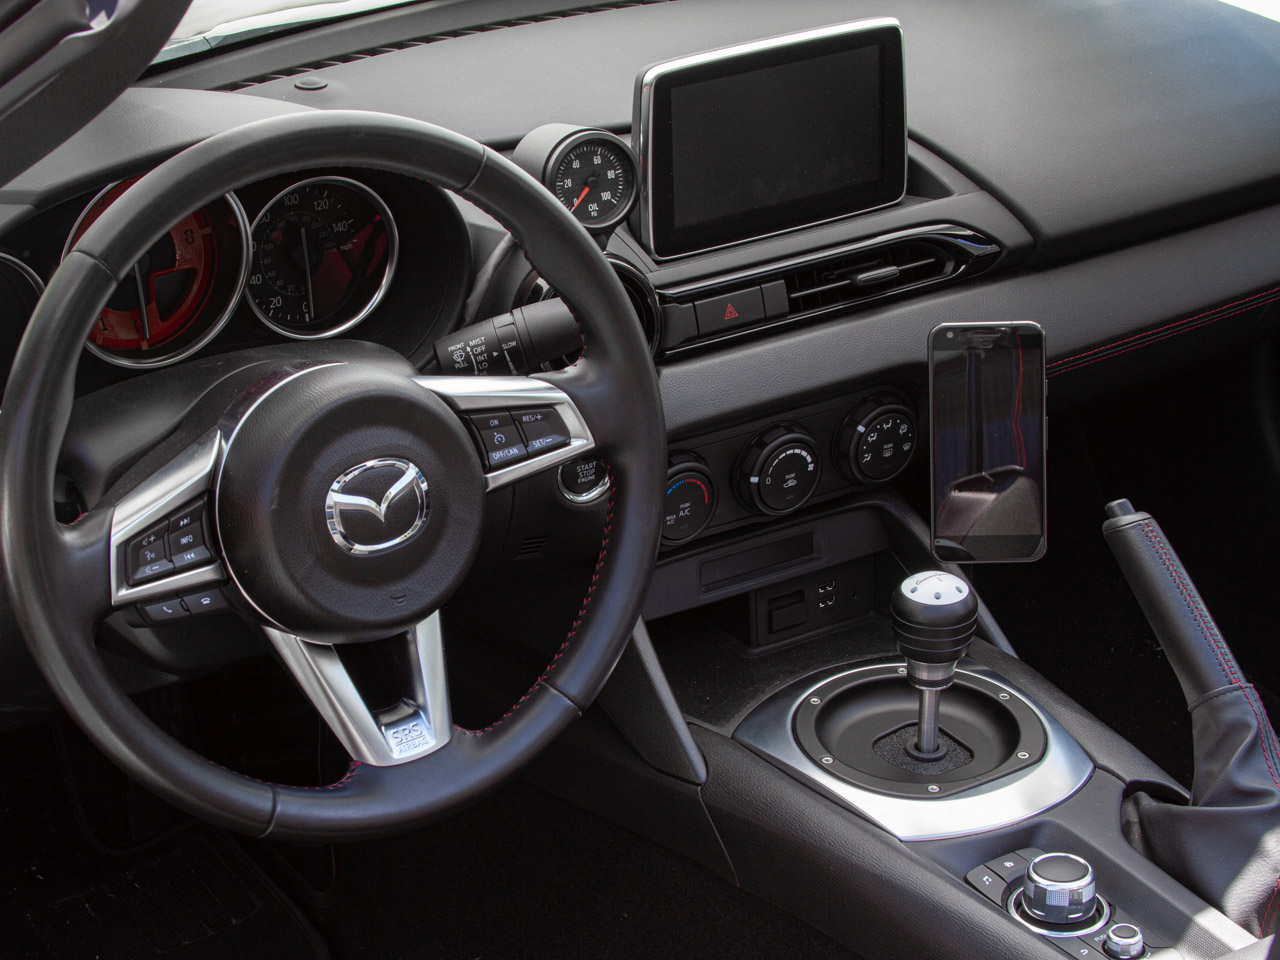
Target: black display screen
[(762, 141), (987, 402)]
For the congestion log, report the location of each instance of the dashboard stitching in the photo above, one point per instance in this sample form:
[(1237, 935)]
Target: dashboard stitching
[(1182, 326), (573, 629)]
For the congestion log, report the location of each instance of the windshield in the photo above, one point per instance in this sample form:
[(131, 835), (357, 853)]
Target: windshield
[(211, 22)]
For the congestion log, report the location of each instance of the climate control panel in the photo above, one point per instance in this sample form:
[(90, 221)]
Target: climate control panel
[(773, 468)]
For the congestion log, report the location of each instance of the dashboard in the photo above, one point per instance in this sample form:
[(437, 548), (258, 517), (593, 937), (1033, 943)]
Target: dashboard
[(1108, 170)]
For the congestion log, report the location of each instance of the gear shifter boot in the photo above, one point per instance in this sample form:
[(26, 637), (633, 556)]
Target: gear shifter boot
[(1226, 844)]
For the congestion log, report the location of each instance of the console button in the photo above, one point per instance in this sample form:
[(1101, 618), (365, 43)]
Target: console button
[(194, 557), (988, 883), (1074, 947), (205, 601), (165, 611), (499, 439), (729, 311), (543, 430), (1011, 868)]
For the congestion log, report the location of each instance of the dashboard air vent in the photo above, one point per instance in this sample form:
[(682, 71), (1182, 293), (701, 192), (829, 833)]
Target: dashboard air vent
[(866, 275), (398, 45)]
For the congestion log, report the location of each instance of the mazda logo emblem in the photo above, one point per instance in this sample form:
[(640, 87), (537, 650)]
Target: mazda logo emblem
[(342, 507)]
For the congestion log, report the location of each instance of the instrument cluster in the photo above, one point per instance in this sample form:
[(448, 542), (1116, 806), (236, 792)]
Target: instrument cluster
[(303, 257)]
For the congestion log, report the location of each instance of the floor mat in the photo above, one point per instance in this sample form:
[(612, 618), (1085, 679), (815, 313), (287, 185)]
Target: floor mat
[(526, 876), (189, 893)]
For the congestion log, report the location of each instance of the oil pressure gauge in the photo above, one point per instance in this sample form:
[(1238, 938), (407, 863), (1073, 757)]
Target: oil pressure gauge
[(591, 172)]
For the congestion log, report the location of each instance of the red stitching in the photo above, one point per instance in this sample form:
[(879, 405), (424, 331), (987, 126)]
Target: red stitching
[(1147, 343), (1225, 306), (1270, 906), (573, 628), (1214, 640)]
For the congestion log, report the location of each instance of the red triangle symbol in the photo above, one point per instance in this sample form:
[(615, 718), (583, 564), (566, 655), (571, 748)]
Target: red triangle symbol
[(729, 312)]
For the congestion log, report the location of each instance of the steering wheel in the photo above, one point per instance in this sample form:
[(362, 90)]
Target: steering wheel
[(343, 498)]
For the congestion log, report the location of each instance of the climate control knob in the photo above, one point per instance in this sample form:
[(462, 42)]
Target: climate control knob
[(690, 499), (877, 440), (1059, 889), (778, 470)]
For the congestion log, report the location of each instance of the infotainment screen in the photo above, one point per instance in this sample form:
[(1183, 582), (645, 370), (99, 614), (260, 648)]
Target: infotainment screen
[(768, 136)]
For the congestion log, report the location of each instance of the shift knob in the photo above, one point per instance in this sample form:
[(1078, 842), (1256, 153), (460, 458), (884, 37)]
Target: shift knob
[(934, 616), (1059, 888)]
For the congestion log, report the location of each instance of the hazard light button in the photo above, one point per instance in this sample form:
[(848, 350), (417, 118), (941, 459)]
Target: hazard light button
[(738, 309)]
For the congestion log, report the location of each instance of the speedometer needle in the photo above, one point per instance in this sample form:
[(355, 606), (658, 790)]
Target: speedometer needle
[(582, 196), (306, 269), (142, 304)]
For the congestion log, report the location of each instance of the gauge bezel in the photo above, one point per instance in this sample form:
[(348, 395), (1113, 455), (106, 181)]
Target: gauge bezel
[(575, 140), (393, 254), (25, 270), (165, 359)]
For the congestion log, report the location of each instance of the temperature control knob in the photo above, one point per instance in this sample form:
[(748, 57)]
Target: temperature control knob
[(778, 470), (1059, 888), (877, 440), (690, 499)]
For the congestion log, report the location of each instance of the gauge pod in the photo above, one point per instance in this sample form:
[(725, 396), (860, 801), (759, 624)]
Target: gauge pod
[(591, 172), (182, 291), (324, 251)]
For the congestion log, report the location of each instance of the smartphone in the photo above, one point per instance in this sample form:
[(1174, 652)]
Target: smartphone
[(987, 442)]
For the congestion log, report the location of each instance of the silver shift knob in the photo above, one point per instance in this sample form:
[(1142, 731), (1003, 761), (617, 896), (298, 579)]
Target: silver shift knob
[(1124, 942), (1059, 888)]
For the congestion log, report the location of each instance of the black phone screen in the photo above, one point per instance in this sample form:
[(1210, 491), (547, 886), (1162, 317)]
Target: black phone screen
[(986, 396)]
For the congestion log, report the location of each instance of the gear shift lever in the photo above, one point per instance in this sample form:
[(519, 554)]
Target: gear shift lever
[(934, 616)]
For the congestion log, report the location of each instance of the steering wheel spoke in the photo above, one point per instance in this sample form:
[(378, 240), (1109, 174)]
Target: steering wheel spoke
[(387, 701), (523, 425), (159, 541)]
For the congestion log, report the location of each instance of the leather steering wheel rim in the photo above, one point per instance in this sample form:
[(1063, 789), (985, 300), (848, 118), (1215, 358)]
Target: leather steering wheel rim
[(57, 575)]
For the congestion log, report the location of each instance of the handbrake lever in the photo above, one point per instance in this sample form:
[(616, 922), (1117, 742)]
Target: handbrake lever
[(1226, 844)]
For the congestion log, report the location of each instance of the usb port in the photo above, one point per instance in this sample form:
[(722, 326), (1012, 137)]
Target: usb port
[(828, 587), (826, 603)]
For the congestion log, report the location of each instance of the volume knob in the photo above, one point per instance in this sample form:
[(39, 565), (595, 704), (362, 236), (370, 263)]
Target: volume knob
[(1059, 888)]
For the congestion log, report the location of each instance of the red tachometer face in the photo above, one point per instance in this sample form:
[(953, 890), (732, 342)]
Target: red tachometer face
[(165, 291)]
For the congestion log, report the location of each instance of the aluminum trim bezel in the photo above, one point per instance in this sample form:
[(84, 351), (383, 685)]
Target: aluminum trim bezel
[(1065, 768), (393, 257), (644, 131), (233, 300)]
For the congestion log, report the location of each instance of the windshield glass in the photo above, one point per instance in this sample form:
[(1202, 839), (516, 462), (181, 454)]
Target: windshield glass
[(211, 22)]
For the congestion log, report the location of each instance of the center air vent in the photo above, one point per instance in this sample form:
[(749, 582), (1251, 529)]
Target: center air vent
[(833, 281), (844, 280)]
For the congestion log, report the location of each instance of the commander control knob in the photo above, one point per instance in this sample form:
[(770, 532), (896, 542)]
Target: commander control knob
[(1124, 942), (778, 470), (1059, 888)]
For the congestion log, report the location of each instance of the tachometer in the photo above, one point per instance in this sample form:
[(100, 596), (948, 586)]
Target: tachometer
[(182, 291), (324, 253)]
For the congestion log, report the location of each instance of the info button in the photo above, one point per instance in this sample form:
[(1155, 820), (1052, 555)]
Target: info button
[(738, 309)]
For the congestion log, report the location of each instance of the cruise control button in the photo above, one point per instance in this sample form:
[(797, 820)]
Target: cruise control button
[(151, 571), (729, 311), (191, 558), (206, 601), (500, 439), (543, 429), (165, 611)]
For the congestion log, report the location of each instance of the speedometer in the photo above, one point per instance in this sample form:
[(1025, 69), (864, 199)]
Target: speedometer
[(324, 253)]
